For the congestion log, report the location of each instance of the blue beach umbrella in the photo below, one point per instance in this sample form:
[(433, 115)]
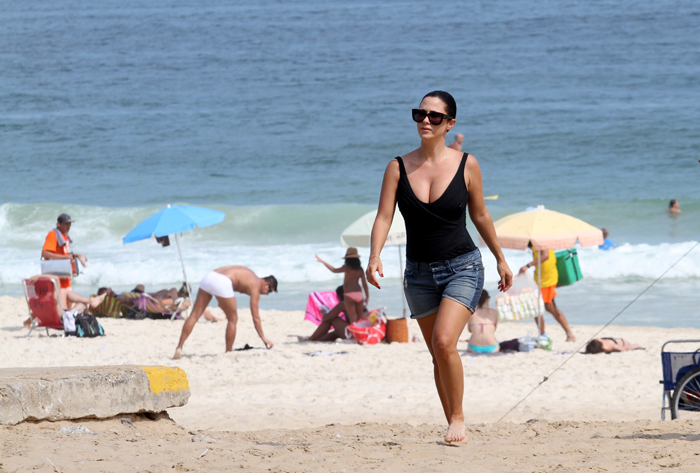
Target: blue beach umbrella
[(174, 219)]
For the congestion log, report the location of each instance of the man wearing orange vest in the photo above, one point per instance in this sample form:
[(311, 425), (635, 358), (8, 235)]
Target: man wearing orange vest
[(57, 246)]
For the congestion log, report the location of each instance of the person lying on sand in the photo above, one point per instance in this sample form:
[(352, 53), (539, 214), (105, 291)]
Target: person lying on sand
[(167, 297), (171, 293), (69, 299), (482, 325), (333, 320), (609, 345), (221, 283)]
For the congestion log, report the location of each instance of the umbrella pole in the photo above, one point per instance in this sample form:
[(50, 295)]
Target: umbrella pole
[(184, 274), (403, 297), (539, 285)]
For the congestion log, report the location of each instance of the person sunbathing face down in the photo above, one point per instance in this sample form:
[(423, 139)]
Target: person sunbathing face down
[(609, 345)]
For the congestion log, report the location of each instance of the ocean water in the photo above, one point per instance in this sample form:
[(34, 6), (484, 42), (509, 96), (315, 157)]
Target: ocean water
[(284, 115)]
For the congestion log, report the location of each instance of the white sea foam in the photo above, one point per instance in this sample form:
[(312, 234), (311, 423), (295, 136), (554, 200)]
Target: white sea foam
[(148, 263), (288, 253)]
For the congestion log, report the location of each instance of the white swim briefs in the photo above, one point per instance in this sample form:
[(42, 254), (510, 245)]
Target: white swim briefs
[(217, 285)]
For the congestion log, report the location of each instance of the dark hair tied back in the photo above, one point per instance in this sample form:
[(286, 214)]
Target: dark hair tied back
[(447, 99), (483, 298), (353, 263)]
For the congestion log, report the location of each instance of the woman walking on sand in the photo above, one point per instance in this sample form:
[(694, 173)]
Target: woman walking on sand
[(434, 186)]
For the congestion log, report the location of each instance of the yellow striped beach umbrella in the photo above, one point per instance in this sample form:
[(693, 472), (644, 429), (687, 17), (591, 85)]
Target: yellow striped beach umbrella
[(546, 230)]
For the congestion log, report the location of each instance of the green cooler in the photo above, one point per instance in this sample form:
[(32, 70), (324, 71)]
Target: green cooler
[(568, 268)]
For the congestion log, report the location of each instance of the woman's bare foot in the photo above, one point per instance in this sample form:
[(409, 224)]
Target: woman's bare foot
[(27, 323), (97, 300), (178, 354), (456, 433), (570, 337)]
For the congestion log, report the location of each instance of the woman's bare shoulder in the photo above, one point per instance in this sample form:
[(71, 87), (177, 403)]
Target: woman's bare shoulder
[(453, 153), (411, 156), (472, 162), (392, 171), (393, 164), (492, 315)]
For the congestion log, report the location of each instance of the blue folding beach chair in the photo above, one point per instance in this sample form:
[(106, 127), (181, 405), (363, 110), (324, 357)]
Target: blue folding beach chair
[(681, 371)]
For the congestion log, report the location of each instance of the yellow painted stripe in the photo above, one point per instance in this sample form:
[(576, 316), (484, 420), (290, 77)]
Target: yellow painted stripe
[(162, 379)]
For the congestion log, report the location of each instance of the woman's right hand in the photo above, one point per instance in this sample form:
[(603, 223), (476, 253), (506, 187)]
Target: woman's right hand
[(373, 267), (318, 259)]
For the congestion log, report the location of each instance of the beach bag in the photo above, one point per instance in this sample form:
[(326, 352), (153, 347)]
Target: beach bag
[(522, 301), (58, 267), (370, 330), (568, 268), (87, 326), (68, 320)]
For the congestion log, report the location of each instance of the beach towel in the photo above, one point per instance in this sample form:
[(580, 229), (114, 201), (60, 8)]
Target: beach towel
[(143, 305), (522, 301), (110, 307), (325, 300)]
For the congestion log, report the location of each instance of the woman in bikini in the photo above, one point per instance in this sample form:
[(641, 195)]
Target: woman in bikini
[(434, 187), (353, 299), (482, 326)]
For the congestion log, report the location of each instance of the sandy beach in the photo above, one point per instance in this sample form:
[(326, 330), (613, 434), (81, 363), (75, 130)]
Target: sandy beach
[(345, 407)]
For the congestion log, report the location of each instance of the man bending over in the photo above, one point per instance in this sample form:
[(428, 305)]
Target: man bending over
[(221, 283)]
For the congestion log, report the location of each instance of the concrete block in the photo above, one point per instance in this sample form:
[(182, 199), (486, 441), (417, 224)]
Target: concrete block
[(89, 391)]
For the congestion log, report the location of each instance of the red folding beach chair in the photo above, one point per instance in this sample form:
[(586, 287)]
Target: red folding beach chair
[(44, 304)]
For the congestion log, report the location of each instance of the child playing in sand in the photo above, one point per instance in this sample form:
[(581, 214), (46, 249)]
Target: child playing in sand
[(354, 302)]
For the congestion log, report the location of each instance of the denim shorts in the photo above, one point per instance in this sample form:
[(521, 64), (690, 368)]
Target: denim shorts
[(460, 279)]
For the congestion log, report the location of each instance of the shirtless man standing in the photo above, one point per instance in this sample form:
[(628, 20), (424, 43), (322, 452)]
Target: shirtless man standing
[(457, 143), (221, 283)]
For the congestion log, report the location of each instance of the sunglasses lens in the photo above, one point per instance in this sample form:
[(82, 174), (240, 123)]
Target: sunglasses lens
[(418, 115), (435, 118)]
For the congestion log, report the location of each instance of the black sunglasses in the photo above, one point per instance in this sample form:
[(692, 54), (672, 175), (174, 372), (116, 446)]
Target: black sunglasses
[(435, 118)]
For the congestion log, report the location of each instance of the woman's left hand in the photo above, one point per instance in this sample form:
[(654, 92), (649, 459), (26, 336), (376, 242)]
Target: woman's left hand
[(373, 267), (506, 276)]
